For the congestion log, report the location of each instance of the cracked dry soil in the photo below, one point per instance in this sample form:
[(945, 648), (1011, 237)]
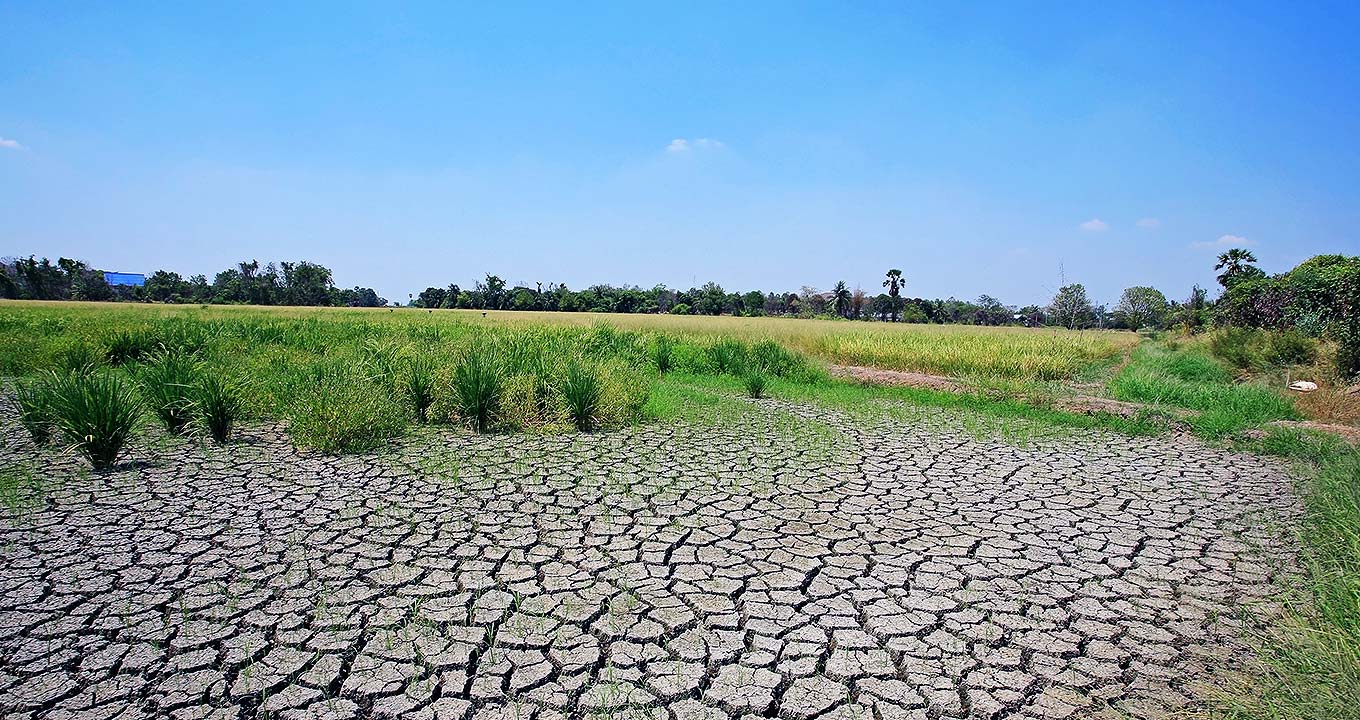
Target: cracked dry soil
[(792, 563)]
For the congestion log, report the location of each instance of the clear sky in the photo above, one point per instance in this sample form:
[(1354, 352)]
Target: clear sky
[(761, 145)]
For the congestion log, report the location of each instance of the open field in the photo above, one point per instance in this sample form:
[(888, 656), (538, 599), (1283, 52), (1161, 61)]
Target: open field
[(412, 514), (964, 351)]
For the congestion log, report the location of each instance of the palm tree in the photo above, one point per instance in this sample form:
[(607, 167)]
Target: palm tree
[(1234, 265), (895, 283), (841, 297)]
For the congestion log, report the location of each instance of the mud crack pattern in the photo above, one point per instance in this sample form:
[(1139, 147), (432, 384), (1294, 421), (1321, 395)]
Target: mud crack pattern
[(791, 563)]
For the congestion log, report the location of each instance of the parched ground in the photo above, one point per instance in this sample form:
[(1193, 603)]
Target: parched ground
[(786, 562)]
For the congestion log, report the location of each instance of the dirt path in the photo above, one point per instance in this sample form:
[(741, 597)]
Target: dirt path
[(792, 564)]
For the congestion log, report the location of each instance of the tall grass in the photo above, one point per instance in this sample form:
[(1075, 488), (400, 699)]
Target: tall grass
[(1311, 656), (583, 393), (339, 409), (96, 412), (34, 398), (417, 383), (476, 389), (218, 404), (1188, 378), (168, 383)]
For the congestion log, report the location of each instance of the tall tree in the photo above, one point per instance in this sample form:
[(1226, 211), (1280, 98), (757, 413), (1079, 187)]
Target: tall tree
[(1141, 306), (1071, 308), (895, 283), (840, 297)]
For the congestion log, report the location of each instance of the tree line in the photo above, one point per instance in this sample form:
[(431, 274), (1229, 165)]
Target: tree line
[(1318, 296), (248, 283)]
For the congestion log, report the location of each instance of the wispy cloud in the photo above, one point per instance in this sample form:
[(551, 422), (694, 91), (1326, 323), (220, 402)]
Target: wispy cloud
[(1149, 223), (10, 144), (683, 145), (1095, 225), (1225, 241)]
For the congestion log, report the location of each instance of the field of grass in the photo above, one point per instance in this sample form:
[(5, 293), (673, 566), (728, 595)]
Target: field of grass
[(963, 351)]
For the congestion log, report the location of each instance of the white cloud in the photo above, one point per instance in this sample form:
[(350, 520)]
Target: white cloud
[(1225, 241), (682, 145), (1095, 225), (10, 144), (1149, 223)]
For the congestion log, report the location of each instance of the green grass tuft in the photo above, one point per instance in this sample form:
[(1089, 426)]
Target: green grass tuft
[(96, 412)]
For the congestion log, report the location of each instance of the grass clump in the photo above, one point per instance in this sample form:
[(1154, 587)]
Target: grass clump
[(340, 410), (96, 412), (128, 346), (417, 384), (218, 404), (583, 394), (662, 351), (34, 398), (476, 391), (755, 383), (169, 385)]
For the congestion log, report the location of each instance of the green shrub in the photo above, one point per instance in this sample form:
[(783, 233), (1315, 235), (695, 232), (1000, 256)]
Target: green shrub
[(97, 412), (218, 403), (129, 346), (680, 309), (1289, 348), (344, 412), (1348, 350), (755, 383), (168, 385), (662, 350), (477, 389), (417, 384), (582, 391), (1237, 346), (35, 408)]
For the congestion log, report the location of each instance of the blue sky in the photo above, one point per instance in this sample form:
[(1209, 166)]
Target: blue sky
[(761, 145)]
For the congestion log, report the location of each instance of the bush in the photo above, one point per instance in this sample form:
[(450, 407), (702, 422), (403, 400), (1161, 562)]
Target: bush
[(680, 309), (168, 385), (417, 384), (1237, 346), (581, 389), (1348, 351), (218, 403), (755, 385), (35, 409), (1289, 348), (477, 389), (97, 412), (344, 412)]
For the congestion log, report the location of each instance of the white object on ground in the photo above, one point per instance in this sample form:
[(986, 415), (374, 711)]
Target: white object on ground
[(1303, 386)]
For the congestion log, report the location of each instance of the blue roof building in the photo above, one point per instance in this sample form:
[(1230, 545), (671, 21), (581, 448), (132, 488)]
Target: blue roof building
[(116, 278)]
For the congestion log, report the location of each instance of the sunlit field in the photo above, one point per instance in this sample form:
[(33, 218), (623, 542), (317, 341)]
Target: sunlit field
[(1008, 353)]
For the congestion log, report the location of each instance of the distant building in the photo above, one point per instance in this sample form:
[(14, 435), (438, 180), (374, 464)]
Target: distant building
[(116, 278)]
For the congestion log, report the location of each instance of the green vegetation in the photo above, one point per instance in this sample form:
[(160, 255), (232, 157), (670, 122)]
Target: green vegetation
[(34, 398), (477, 389), (218, 403), (1189, 378), (755, 383), (96, 411), (168, 381), (1311, 656), (583, 393)]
